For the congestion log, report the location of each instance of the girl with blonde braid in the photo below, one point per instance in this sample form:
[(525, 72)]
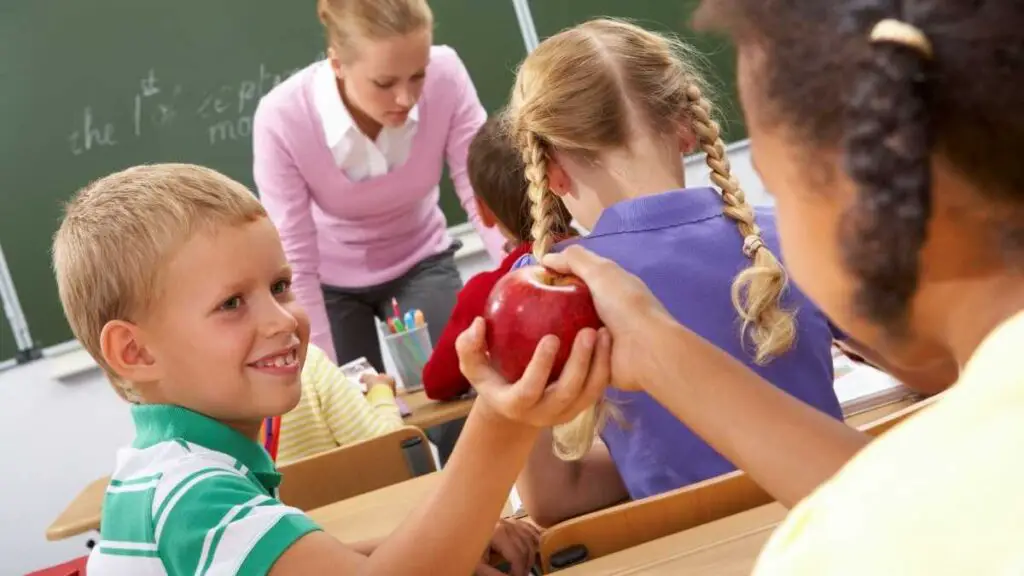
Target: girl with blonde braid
[(602, 114)]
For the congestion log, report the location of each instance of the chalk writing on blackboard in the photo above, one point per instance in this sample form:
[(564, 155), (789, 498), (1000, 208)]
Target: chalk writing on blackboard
[(229, 130), (91, 134), (225, 111)]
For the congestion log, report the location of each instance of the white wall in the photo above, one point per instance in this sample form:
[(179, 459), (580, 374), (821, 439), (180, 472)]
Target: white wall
[(60, 434)]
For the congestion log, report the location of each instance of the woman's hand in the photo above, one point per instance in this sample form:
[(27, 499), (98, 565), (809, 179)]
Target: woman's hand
[(625, 305), (531, 400)]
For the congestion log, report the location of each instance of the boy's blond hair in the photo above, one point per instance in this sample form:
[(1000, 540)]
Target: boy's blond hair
[(119, 232)]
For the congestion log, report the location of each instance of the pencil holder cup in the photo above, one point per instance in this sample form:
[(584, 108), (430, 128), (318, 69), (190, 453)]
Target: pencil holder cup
[(410, 351)]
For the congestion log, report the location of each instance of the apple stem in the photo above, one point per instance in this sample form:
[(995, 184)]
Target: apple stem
[(546, 277)]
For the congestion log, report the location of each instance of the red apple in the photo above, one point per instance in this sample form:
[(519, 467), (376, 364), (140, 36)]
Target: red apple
[(528, 304)]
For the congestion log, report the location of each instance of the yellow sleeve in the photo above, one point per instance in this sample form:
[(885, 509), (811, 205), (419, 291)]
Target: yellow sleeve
[(349, 415), (938, 494), (382, 401)]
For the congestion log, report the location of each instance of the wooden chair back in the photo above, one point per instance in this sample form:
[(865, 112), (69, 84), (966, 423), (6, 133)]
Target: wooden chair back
[(632, 523), (351, 470)]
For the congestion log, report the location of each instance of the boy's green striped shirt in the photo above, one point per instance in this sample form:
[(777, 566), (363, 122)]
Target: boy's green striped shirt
[(192, 497)]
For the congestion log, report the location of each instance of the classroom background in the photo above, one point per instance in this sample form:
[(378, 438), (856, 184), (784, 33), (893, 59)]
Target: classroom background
[(114, 83)]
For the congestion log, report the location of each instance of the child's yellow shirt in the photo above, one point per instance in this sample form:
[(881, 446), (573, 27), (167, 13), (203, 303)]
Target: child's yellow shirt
[(941, 494), (333, 411)]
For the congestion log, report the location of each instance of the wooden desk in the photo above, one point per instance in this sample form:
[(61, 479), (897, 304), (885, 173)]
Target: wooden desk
[(374, 514), (726, 547), (83, 514), (427, 413), (864, 417)]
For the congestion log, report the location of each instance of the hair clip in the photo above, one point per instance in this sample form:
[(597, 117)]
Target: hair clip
[(751, 244), (898, 32)]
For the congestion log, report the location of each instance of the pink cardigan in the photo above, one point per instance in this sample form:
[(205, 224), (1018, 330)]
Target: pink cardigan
[(359, 234)]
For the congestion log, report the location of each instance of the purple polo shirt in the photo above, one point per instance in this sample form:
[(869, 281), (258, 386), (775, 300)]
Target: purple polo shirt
[(687, 252)]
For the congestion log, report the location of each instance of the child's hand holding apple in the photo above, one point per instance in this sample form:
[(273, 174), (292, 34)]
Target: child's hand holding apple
[(534, 399)]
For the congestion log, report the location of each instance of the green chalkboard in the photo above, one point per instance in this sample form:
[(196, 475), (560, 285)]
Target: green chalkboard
[(7, 346), (91, 87), (550, 16)]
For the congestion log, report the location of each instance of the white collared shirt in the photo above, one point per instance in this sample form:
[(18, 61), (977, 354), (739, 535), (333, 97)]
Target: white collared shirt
[(358, 156)]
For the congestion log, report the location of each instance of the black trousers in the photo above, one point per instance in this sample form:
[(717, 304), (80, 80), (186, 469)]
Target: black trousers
[(431, 286)]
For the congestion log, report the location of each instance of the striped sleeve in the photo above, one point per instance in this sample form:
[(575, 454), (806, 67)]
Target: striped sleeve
[(349, 415), (126, 543), (382, 400), (215, 522)]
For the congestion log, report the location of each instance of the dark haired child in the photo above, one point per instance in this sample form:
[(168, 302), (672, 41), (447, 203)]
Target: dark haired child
[(496, 173)]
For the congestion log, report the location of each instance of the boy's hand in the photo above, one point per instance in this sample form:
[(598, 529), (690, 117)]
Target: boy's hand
[(371, 380), (517, 542), (531, 400)]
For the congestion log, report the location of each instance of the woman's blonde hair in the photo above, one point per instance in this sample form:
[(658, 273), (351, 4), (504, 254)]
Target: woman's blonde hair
[(585, 90), (347, 21)]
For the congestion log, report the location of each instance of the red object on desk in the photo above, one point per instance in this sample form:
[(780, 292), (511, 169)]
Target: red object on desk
[(75, 567), (442, 379)]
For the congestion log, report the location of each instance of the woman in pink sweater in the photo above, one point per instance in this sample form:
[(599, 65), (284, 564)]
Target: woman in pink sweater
[(347, 159), (348, 156)]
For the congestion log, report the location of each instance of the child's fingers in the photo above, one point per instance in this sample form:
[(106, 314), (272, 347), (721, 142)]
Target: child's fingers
[(575, 260), (471, 347), (530, 388), (530, 528), (525, 528), (563, 394), (529, 541), (600, 369), (512, 548), (557, 261)]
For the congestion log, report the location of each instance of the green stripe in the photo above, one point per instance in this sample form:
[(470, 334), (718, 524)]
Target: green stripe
[(126, 516), (177, 488), (220, 534), (183, 444), (264, 553), (134, 481), (124, 552), (238, 465)]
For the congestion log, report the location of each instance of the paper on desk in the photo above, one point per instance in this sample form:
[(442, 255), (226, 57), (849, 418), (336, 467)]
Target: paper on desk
[(860, 387), (355, 370)]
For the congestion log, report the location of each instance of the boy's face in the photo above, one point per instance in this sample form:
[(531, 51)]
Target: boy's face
[(228, 338)]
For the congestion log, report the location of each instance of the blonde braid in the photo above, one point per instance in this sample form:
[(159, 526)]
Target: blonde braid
[(756, 290), (573, 439), (542, 200)]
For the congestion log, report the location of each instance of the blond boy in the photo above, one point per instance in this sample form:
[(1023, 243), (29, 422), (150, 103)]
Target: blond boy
[(174, 280)]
